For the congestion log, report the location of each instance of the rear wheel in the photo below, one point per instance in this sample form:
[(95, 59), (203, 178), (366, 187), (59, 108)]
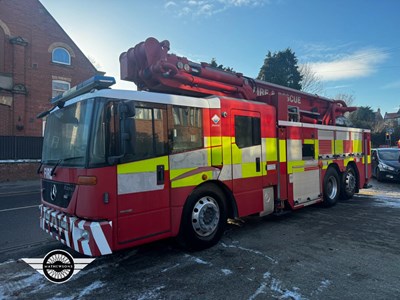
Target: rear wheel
[(203, 218), (349, 183), (331, 187)]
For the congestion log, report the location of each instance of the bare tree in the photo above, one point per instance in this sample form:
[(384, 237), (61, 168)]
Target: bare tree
[(347, 98), (311, 82)]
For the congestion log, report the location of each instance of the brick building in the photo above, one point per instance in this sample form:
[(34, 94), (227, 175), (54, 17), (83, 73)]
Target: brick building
[(38, 60)]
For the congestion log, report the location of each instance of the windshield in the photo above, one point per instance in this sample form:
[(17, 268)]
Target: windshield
[(67, 134), (389, 155)]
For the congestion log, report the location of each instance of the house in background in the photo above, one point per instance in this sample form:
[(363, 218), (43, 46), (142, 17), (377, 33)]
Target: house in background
[(38, 60), (392, 119)]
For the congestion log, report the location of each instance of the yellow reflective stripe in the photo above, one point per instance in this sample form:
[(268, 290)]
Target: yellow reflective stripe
[(148, 165), (216, 151), (271, 149), (192, 180), (326, 163), (309, 141), (236, 155), (357, 146), (249, 170), (226, 150), (282, 150), (368, 159), (178, 172), (295, 166), (316, 149), (338, 147)]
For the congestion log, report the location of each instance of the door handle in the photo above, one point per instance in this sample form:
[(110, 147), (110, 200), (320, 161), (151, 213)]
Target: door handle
[(160, 174), (258, 164)]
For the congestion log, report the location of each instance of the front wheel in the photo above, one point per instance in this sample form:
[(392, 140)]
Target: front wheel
[(203, 218), (349, 183), (331, 187)]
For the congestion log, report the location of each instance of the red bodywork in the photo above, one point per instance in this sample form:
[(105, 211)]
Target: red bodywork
[(100, 219)]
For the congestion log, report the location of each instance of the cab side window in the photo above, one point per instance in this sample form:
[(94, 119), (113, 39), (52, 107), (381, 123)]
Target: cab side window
[(185, 128), (247, 131)]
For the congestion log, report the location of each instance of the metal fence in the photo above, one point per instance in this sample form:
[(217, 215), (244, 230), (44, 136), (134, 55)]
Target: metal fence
[(20, 147)]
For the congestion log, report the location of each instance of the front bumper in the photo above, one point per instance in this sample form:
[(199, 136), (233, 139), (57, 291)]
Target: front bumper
[(86, 237), (390, 175)]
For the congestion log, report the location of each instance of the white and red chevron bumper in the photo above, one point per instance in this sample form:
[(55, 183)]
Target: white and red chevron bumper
[(89, 238)]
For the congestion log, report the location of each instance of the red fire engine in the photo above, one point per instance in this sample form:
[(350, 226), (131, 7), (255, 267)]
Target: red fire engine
[(195, 147)]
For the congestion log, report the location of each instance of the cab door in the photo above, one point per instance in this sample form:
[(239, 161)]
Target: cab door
[(247, 161), (143, 182)]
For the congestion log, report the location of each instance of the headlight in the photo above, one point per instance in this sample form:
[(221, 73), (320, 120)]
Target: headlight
[(385, 167)]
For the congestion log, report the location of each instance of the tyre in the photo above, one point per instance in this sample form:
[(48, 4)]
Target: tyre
[(204, 218), (348, 183), (331, 187)]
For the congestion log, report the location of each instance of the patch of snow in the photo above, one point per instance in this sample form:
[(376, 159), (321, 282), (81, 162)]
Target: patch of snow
[(87, 290), (167, 269), (275, 285), (35, 281), (251, 251), (7, 262), (323, 285), (198, 260), (226, 271), (387, 202), (261, 290), (152, 294)]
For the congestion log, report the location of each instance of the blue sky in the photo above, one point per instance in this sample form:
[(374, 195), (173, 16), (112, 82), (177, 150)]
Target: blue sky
[(352, 45)]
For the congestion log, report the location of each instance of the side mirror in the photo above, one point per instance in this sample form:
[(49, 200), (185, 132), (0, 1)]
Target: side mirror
[(126, 111)]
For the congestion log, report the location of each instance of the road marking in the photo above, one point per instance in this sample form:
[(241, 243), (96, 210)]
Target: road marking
[(6, 194), (18, 208)]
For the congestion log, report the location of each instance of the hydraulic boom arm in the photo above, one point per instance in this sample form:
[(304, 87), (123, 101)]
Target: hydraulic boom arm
[(152, 68)]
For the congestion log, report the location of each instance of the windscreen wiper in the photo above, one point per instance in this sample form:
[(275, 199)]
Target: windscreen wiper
[(62, 160)]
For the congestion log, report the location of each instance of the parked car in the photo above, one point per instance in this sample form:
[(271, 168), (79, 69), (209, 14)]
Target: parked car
[(386, 163)]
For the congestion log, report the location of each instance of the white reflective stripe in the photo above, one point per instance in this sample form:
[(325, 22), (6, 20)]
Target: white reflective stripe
[(356, 136), (294, 150), (226, 173), (264, 149), (237, 171), (75, 236), (325, 135), (80, 224), (67, 241), (192, 159), (138, 182), (85, 247), (341, 135), (100, 238), (249, 154), (318, 126)]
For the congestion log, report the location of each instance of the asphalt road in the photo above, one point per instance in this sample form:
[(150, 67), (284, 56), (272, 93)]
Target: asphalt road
[(349, 251), (19, 220)]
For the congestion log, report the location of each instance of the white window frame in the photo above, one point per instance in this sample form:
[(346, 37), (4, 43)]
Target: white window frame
[(56, 92), (53, 59)]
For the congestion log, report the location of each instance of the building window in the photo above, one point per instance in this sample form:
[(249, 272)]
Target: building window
[(59, 87), (61, 56)]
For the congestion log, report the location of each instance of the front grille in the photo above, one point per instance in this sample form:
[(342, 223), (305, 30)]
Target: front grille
[(57, 193)]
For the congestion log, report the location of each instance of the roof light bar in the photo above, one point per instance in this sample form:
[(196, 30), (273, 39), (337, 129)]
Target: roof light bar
[(96, 82)]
